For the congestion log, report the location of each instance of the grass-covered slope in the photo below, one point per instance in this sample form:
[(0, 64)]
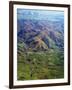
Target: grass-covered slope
[(40, 65)]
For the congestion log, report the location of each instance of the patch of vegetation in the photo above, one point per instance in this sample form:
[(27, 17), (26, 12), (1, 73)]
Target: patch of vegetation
[(40, 65)]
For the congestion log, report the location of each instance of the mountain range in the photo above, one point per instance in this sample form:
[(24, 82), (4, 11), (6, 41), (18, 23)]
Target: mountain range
[(40, 35)]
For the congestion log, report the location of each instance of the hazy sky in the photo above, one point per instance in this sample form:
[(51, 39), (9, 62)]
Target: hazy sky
[(39, 14)]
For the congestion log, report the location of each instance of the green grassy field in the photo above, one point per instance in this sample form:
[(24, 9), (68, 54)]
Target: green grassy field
[(40, 65)]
